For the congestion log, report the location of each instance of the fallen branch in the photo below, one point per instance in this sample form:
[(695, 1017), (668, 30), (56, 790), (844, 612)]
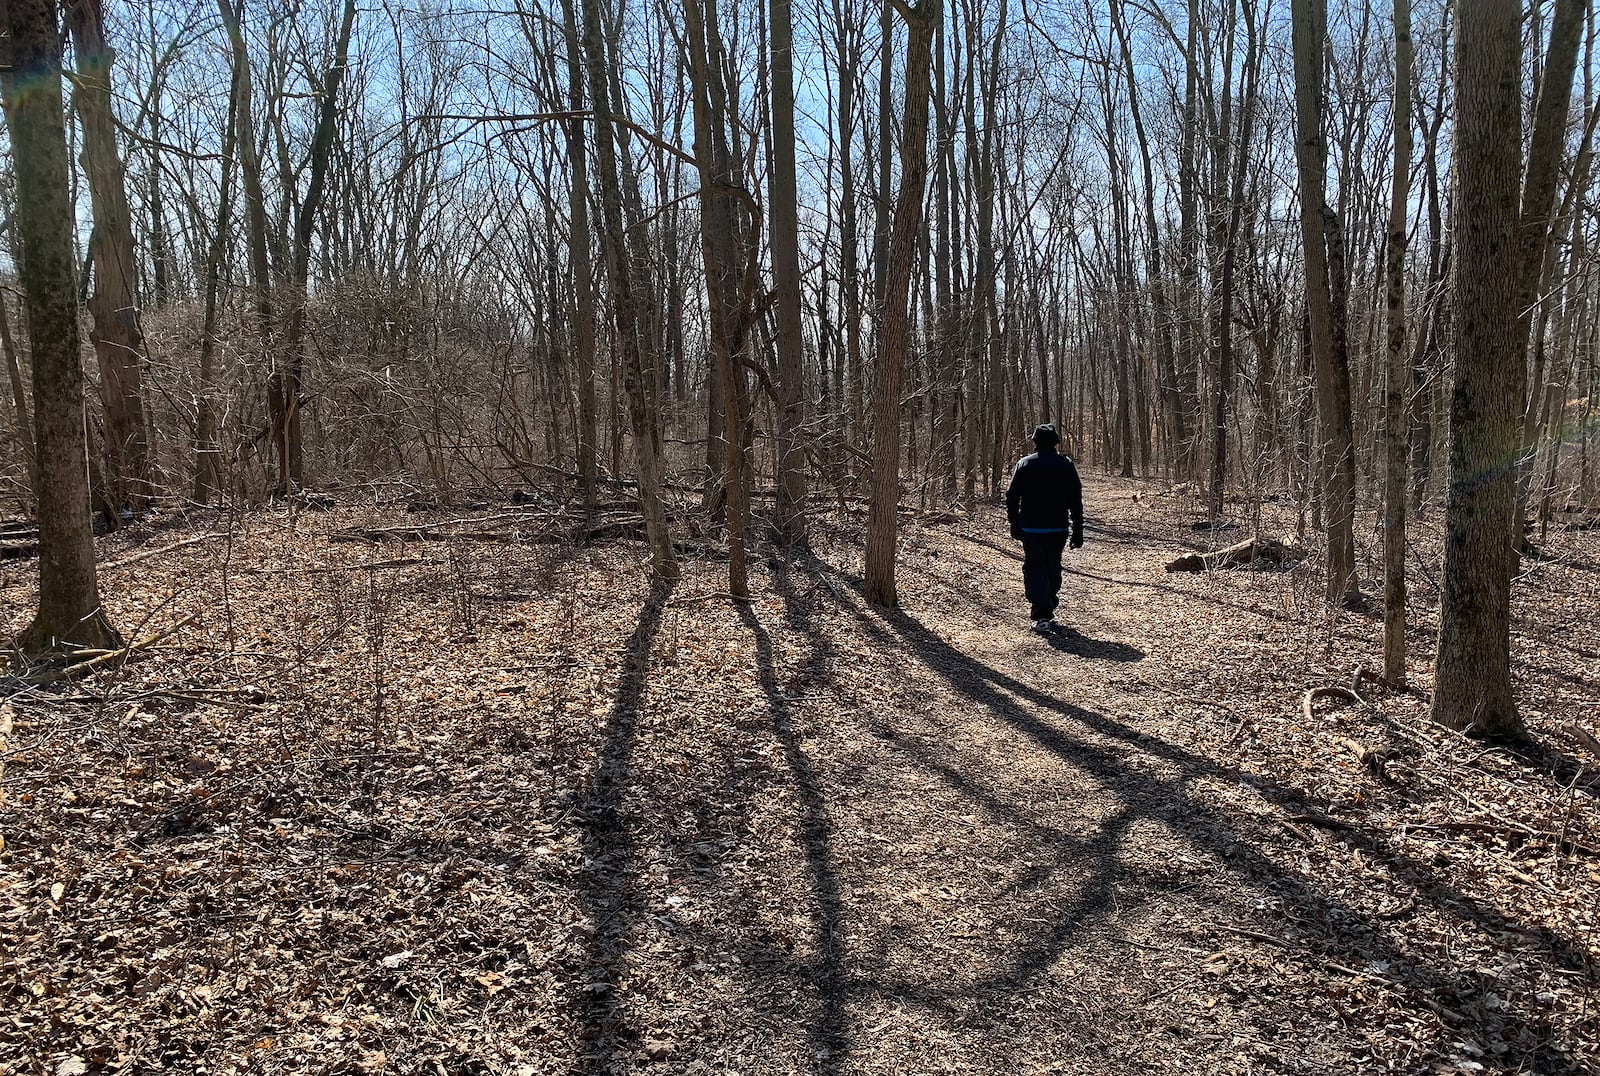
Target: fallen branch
[(371, 566), (51, 675), (1258, 936), (1322, 820), (1250, 551), (1327, 692), (148, 553), (695, 599), (1577, 732)]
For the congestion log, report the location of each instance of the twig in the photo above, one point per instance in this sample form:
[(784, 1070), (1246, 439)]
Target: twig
[(398, 562), (696, 598), (1258, 936), (1322, 820), (50, 676), (148, 553), (1327, 692)]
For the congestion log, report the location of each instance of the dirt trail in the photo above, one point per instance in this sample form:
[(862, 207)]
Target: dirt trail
[(501, 809)]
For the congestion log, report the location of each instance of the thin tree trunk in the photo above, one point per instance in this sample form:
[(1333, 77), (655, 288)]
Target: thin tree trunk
[(19, 398), (207, 452), (1332, 373), (785, 240), (69, 612), (284, 389), (578, 238), (1396, 416), (116, 334), (719, 243), (1547, 143), (922, 22), (638, 369)]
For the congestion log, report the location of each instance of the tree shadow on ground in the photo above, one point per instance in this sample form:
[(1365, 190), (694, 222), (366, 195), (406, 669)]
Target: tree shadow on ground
[(1322, 929), (825, 974), (607, 887), (1166, 588), (1070, 640)]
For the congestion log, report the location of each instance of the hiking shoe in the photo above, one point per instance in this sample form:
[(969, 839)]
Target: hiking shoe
[(1042, 626)]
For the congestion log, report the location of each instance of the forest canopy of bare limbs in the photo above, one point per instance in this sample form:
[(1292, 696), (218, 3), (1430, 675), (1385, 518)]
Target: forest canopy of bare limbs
[(779, 257)]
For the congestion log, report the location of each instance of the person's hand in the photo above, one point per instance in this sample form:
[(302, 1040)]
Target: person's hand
[(1077, 541)]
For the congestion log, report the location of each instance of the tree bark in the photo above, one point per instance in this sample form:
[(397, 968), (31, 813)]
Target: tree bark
[(1309, 28), (117, 337), (785, 240), (578, 239), (1396, 413), (719, 243), (1547, 143), (1472, 672), (637, 370), (284, 386), (69, 612), (922, 21), (207, 452)]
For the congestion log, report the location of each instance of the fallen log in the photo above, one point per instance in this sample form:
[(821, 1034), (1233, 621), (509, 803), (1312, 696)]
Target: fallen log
[(1269, 551)]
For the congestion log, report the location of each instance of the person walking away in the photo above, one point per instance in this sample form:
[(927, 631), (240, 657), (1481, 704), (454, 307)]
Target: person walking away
[(1044, 494)]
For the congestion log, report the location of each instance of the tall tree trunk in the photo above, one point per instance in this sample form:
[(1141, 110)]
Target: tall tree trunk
[(785, 239), (207, 451), (638, 369), (255, 199), (1177, 427), (284, 388), (942, 452), (1332, 373), (69, 611), (582, 273), (1396, 414), (1472, 673), (1187, 360), (1547, 143), (922, 21), (116, 334), (1230, 255), (719, 243)]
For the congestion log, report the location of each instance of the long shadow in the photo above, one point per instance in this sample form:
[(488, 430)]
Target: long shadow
[(826, 974), (1071, 641), (607, 886), (1144, 795), (1166, 588)]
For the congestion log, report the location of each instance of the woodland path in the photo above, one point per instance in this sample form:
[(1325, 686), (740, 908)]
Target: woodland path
[(501, 809)]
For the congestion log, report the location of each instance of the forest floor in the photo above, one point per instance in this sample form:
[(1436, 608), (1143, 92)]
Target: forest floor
[(498, 807)]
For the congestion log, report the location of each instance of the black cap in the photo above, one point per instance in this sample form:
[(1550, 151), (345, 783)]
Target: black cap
[(1046, 435)]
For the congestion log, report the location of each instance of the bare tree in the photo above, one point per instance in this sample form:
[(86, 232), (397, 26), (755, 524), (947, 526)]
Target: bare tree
[(726, 292), (284, 386), (69, 611), (1310, 23), (784, 218), (117, 336), (1396, 414), (638, 369), (922, 22), (1472, 672)]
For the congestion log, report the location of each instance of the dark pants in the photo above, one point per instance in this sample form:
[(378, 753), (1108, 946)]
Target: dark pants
[(1041, 572)]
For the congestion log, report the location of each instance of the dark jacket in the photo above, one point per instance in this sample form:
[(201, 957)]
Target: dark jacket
[(1044, 492)]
